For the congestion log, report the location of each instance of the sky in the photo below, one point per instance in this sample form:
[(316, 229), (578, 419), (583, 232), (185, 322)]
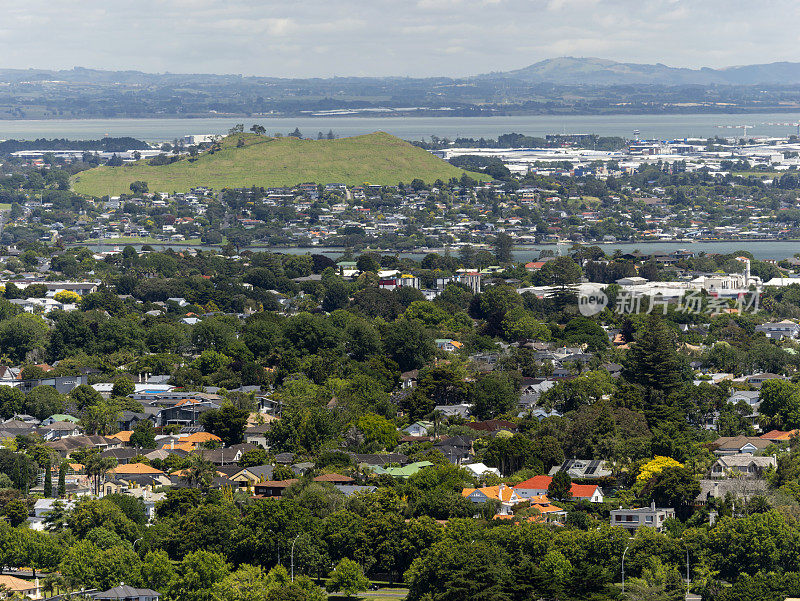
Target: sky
[(323, 38)]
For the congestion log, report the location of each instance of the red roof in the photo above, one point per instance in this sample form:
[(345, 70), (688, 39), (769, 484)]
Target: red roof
[(579, 491), (583, 491), (536, 483)]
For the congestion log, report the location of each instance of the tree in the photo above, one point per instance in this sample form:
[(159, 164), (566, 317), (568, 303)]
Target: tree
[(653, 360), (48, 480), (503, 245), (144, 435), (62, 480), (138, 187), (200, 472), (96, 468), (228, 423), (560, 487), (253, 458), (347, 577), (408, 344), (673, 486), (84, 396), (123, 386), (16, 511), (494, 394)]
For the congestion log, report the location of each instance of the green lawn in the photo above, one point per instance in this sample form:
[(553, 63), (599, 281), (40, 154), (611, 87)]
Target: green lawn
[(5, 206), (375, 159)]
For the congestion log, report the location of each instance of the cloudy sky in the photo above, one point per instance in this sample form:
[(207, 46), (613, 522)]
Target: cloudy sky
[(302, 38)]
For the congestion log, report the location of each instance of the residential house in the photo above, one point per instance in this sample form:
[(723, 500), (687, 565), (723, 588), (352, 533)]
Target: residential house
[(780, 330), (273, 488), (17, 587), (492, 425), (779, 436), (582, 469), (740, 466), (481, 469), (734, 445), (538, 485), (418, 428), (505, 494), (59, 430), (127, 593), (461, 410), (448, 345), (635, 518)]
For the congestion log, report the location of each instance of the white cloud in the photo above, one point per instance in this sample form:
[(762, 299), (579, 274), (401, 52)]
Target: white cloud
[(385, 37)]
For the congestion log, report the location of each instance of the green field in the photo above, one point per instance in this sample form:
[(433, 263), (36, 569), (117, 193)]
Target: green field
[(376, 158)]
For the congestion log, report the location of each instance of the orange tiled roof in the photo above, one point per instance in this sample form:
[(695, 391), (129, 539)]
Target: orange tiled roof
[(491, 492), (201, 437), (124, 435), (134, 468), (180, 446), (779, 435)]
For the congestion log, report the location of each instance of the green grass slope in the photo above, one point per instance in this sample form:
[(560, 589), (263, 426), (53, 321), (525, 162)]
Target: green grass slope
[(377, 158)]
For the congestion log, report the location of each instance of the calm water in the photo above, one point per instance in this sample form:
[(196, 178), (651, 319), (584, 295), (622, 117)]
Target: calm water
[(412, 128), (761, 250)]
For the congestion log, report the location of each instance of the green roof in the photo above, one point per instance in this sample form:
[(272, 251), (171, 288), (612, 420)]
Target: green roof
[(402, 472), (63, 417)]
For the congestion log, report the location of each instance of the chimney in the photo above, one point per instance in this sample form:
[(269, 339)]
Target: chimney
[(653, 505)]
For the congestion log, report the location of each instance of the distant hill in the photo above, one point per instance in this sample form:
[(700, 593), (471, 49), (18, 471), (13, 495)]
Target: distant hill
[(377, 158), (601, 72)]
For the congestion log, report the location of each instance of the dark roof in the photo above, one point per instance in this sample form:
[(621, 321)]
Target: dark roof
[(335, 478), (379, 458), (492, 425), (126, 592), (123, 453)]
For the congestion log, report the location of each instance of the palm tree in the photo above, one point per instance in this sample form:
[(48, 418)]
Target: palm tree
[(200, 472), (97, 466)]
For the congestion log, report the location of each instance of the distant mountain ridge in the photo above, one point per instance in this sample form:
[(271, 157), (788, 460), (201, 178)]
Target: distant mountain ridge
[(603, 72), (565, 70)]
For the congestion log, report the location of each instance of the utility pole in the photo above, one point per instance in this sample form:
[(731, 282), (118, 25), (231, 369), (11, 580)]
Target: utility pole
[(623, 568), (292, 559)]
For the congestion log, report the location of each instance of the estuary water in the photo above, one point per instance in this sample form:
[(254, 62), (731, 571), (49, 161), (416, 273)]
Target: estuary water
[(664, 127), (762, 250)]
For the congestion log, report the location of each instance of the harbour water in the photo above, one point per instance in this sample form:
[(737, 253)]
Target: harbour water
[(414, 128), (762, 250)]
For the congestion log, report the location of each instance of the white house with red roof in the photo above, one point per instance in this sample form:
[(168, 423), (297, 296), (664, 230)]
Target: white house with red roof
[(538, 485)]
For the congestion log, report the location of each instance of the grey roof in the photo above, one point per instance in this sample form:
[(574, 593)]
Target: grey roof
[(126, 592)]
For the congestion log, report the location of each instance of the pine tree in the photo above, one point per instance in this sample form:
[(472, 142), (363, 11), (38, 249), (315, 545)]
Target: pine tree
[(48, 481), (62, 480), (653, 360)]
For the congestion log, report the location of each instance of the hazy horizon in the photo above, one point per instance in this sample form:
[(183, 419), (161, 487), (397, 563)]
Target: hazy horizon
[(390, 38)]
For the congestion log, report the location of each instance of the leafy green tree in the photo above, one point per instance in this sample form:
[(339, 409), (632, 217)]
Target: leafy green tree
[(196, 576), (347, 577), (144, 435), (494, 394), (408, 344), (123, 386), (560, 486), (44, 401), (253, 458), (156, 571), (378, 431), (16, 511), (228, 423)]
